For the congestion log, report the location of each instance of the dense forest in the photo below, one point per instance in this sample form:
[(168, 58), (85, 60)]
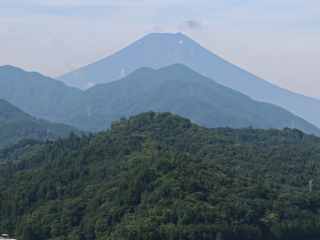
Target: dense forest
[(279, 156), (158, 176)]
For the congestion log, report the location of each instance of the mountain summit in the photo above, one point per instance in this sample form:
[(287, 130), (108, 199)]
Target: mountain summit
[(154, 50), (159, 50)]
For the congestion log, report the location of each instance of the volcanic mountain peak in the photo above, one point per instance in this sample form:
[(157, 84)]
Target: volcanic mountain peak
[(155, 50)]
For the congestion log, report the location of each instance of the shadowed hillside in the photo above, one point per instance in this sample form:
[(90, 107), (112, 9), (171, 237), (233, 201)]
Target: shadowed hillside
[(16, 124)]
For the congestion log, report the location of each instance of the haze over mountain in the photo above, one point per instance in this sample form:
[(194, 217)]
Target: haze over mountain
[(16, 124), (32, 92), (159, 50), (176, 88)]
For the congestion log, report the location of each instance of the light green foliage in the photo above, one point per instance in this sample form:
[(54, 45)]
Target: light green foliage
[(219, 236)]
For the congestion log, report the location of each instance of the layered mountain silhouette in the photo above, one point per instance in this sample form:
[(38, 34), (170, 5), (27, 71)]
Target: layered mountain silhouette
[(159, 50), (176, 88), (16, 124), (32, 92)]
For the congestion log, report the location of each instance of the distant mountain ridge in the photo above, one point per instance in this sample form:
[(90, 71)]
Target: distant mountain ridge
[(159, 50), (176, 88), (32, 92), (8, 111), (16, 124)]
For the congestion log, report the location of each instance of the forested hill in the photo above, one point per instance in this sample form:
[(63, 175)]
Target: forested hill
[(272, 137), (149, 123), (16, 124), (279, 156), (32, 92), (8, 111), (158, 176)]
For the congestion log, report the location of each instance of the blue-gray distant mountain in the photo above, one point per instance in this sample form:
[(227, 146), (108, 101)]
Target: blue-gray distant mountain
[(32, 92), (16, 124), (180, 90), (159, 50), (176, 88)]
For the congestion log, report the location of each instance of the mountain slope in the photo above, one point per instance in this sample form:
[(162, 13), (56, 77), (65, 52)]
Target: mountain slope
[(8, 111), (285, 156), (32, 92), (182, 91), (176, 88), (123, 184), (159, 50), (16, 124)]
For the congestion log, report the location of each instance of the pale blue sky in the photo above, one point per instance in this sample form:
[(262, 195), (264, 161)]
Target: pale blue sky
[(276, 40)]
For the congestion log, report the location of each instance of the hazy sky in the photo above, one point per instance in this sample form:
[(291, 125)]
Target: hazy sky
[(277, 40)]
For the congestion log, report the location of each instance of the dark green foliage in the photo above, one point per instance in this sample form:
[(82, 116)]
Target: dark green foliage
[(285, 157), (272, 137), (16, 124), (154, 176), (14, 151)]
